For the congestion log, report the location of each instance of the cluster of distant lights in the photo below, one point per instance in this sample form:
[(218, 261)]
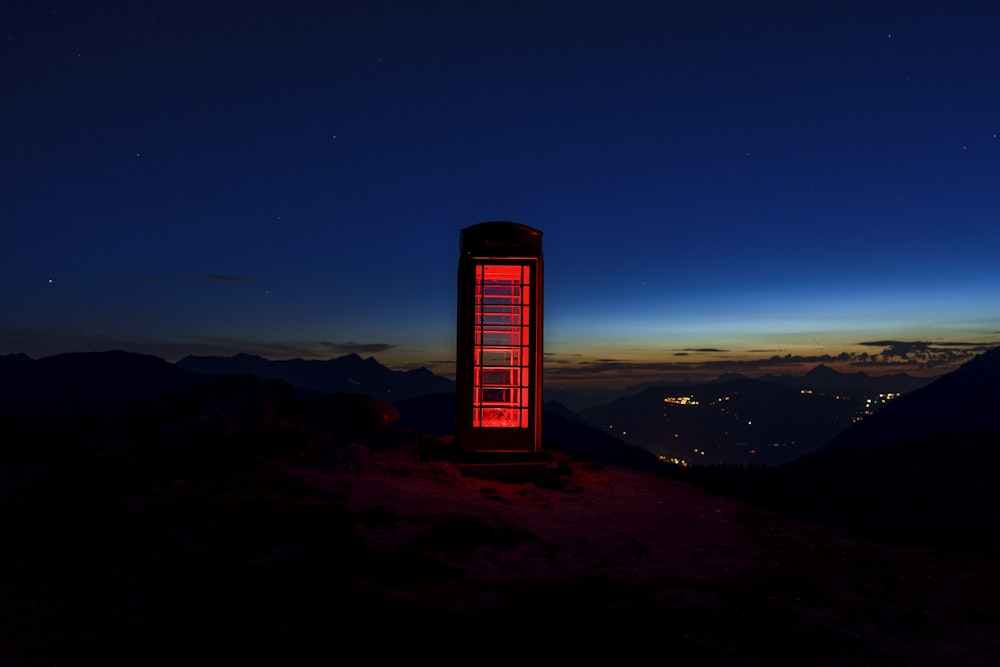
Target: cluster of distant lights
[(872, 404), (681, 463), (690, 400), (680, 400)]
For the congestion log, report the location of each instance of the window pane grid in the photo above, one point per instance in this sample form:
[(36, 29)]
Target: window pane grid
[(501, 355)]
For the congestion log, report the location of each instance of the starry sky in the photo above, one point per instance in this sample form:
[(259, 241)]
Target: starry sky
[(722, 186)]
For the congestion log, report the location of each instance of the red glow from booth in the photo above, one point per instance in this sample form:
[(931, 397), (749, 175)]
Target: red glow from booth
[(501, 354)]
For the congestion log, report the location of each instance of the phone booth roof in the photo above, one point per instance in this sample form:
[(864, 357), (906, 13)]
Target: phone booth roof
[(501, 239)]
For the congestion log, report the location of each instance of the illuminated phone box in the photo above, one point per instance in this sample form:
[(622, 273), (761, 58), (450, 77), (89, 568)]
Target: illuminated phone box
[(499, 342)]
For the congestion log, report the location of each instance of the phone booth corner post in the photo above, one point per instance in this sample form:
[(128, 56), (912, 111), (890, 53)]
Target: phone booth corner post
[(499, 339)]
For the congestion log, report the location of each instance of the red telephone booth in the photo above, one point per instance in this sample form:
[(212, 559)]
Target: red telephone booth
[(499, 344)]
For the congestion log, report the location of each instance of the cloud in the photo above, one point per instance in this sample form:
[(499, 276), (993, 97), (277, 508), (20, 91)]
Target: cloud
[(608, 367), (918, 357), (351, 347), (922, 344), (921, 354), (224, 277), (552, 358), (896, 348)]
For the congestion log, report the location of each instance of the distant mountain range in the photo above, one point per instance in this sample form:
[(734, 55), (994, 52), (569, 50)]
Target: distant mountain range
[(104, 383), (85, 383), (965, 400), (820, 378), (927, 459), (766, 420), (204, 398), (922, 468), (824, 378), (347, 374)]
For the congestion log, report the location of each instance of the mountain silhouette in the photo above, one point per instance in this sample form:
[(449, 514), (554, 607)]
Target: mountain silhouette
[(926, 462), (966, 399), (771, 419), (85, 383), (821, 378), (738, 421), (824, 378), (346, 374)]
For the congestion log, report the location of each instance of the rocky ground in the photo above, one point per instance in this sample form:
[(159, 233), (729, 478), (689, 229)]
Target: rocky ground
[(366, 551)]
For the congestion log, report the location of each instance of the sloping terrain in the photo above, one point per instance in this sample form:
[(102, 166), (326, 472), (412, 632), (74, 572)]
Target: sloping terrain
[(233, 522), (361, 548)]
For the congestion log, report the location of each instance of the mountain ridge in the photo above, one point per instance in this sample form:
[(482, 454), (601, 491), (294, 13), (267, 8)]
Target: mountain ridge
[(821, 377), (92, 383), (349, 373), (921, 470), (963, 400)]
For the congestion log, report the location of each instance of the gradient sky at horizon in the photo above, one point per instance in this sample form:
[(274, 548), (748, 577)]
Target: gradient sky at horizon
[(722, 186)]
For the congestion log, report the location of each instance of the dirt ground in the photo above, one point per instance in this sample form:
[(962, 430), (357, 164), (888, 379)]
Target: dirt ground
[(389, 558)]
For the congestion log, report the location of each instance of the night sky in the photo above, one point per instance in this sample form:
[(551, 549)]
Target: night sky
[(722, 186)]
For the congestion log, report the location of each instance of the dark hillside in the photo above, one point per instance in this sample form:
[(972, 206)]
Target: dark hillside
[(939, 489), (967, 399), (922, 469), (85, 383), (347, 374), (235, 521), (737, 421)]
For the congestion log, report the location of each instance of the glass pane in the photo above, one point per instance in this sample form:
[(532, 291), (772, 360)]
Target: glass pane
[(498, 376), (501, 357), (497, 395), (501, 372)]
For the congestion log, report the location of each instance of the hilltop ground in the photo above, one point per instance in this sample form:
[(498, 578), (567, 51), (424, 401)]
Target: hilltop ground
[(368, 551)]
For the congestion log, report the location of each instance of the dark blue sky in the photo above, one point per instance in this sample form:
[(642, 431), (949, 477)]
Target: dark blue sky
[(722, 185)]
